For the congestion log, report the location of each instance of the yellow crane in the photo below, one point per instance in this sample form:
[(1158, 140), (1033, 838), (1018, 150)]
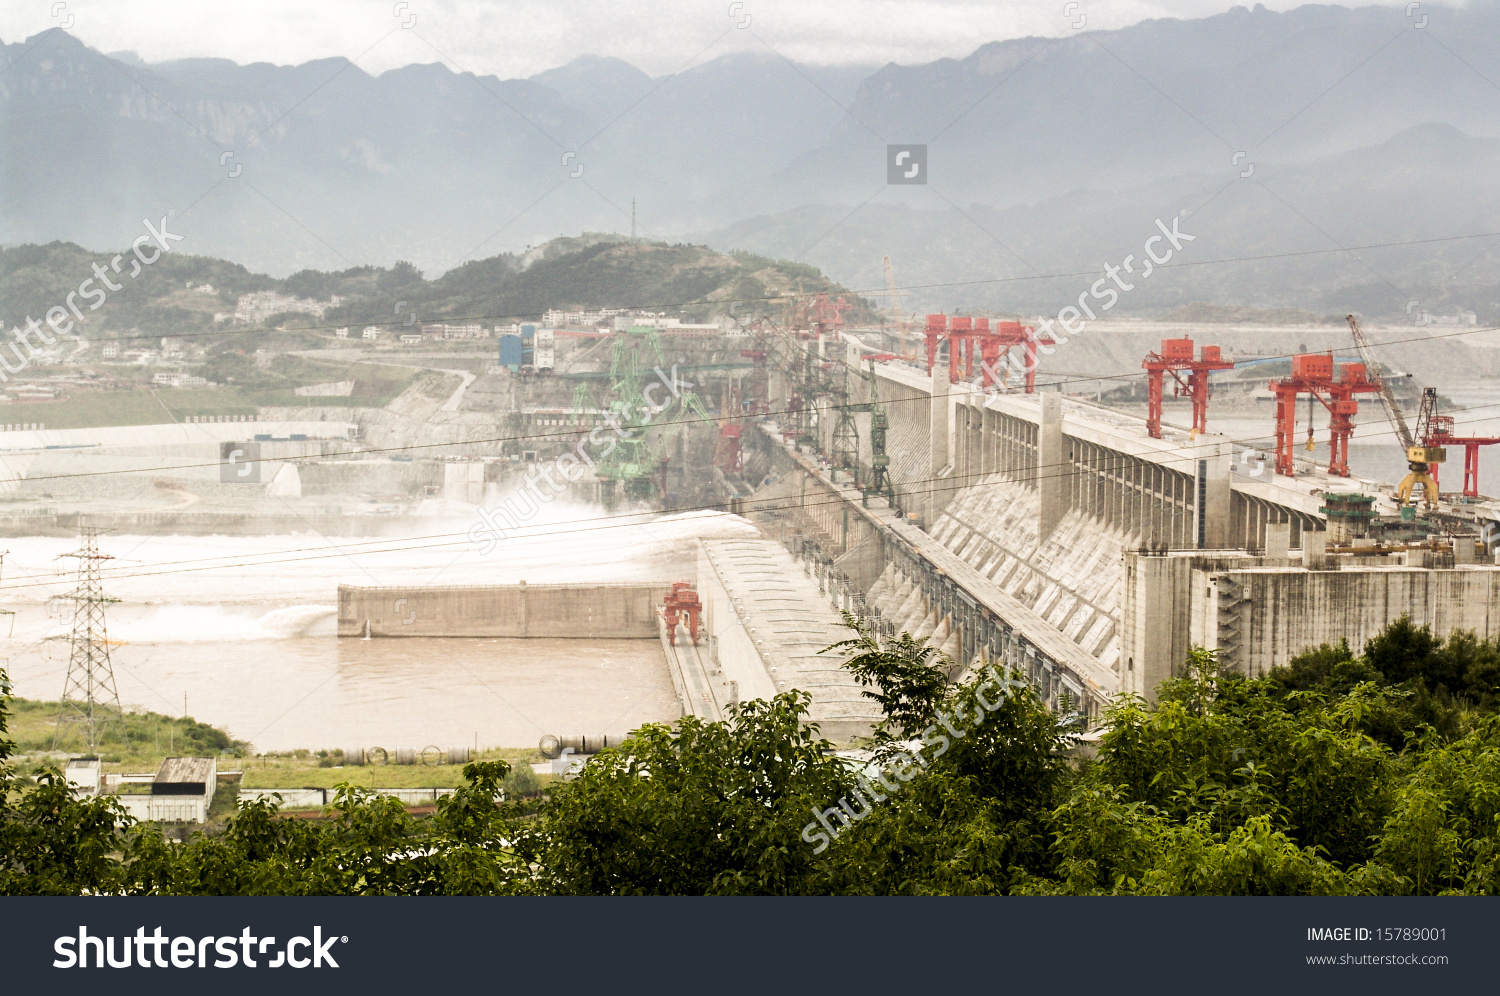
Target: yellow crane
[(1419, 456)]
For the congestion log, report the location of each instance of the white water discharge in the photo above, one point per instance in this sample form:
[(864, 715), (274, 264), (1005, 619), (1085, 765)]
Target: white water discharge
[(245, 627)]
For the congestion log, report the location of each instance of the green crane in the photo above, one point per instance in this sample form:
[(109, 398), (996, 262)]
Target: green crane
[(844, 447), (879, 482)]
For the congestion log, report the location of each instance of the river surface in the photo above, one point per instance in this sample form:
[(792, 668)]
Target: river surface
[(244, 627)]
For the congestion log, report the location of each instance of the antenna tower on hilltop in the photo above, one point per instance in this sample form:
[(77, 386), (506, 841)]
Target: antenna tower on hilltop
[(89, 694)]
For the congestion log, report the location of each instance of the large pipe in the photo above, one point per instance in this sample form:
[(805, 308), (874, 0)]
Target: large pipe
[(552, 747)]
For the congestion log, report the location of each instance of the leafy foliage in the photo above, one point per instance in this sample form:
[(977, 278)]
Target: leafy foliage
[(1322, 779), (907, 675), (707, 808)]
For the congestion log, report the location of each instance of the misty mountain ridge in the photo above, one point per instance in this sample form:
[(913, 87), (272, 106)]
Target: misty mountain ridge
[(1300, 215), (1055, 152)]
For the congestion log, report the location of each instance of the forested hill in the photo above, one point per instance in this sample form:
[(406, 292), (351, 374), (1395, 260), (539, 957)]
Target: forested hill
[(181, 293)]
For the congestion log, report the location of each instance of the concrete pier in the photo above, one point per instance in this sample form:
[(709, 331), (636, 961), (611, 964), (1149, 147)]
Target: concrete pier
[(583, 611)]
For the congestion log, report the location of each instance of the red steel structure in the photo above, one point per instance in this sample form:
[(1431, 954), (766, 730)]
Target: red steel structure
[(1002, 338), (1175, 357), (681, 605), (1312, 373), (974, 341), (935, 330), (1440, 433), (960, 347)]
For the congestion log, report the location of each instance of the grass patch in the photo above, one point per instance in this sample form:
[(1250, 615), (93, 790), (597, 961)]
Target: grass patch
[(146, 738), (375, 384), (138, 743), (374, 387), (283, 772)]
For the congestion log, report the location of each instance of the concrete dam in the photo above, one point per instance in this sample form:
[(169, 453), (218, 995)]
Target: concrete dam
[(1058, 536)]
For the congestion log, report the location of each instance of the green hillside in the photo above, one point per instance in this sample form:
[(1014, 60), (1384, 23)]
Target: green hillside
[(179, 294)]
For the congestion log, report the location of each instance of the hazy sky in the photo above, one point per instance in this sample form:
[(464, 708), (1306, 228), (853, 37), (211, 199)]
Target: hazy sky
[(513, 38)]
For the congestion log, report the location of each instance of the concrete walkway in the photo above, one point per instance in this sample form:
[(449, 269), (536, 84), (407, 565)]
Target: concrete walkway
[(768, 622)]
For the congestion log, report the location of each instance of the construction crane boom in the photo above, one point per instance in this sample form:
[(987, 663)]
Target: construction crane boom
[(1419, 455), (1387, 396)]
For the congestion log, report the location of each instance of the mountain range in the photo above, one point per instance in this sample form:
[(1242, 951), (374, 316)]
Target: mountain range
[(1294, 138)]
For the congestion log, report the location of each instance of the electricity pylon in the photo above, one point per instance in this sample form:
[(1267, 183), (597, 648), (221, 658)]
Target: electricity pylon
[(89, 694)]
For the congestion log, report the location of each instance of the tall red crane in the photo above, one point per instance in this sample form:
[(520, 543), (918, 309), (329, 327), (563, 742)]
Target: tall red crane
[(1176, 356), (1313, 373)]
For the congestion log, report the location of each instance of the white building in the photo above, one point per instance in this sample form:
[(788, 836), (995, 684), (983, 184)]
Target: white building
[(181, 792), (84, 775), (176, 378), (372, 332), (261, 305)]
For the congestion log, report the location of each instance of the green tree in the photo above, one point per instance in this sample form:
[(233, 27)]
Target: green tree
[(52, 843), (702, 808), (907, 676)]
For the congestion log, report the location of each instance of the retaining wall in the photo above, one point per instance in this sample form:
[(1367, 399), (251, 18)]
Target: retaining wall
[(602, 611)]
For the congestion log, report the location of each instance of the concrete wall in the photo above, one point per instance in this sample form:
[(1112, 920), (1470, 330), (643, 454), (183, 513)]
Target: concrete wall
[(729, 645), (603, 611), (1156, 620), (1070, 574), (909, 437), (166, 808), (316, 798), (1260, 618)]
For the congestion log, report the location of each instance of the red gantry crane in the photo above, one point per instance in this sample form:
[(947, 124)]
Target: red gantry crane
[(681, 605), (976, 339), (1313, 373), (1175, 357)]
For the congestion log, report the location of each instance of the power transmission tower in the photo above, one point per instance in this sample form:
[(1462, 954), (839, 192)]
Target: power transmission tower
[(89, 694)]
